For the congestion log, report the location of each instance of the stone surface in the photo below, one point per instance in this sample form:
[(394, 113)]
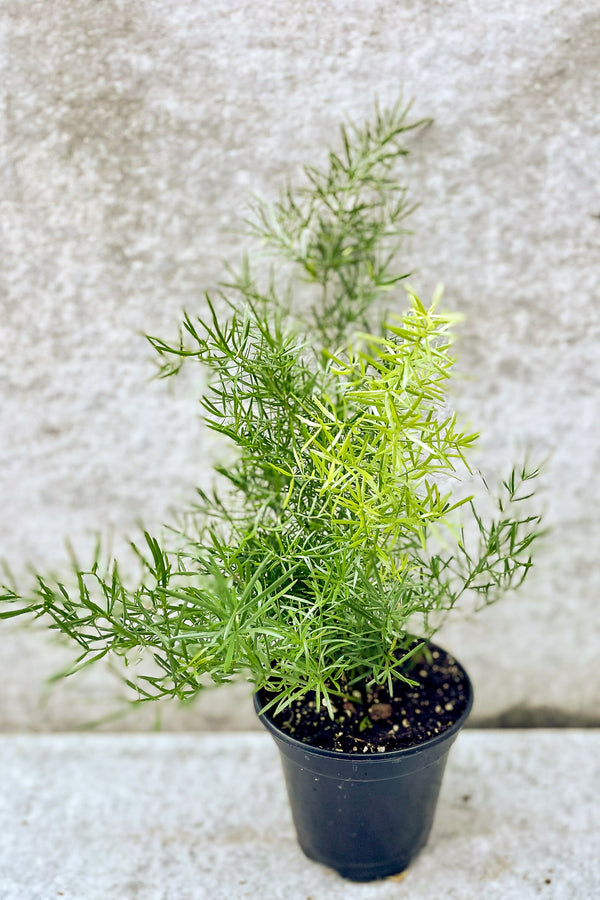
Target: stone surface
[(131, 134), (166, 817)]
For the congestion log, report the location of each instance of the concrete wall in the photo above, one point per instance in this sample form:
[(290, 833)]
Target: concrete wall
[(131, 134)]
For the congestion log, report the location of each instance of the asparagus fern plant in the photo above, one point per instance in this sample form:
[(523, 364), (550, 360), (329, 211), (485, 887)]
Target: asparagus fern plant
[(336, 535)]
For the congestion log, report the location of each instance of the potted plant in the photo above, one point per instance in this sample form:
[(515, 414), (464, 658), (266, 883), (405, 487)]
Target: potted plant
[(340, 535)]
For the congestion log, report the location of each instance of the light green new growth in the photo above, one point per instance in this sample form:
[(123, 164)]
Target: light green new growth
[(338, 537)]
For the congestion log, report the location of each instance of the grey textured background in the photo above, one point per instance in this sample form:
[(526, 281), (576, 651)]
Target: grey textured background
[(168, 817), (132, 133)]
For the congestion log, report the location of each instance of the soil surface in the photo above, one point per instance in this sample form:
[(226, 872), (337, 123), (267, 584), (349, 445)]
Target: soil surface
[(407, 717)]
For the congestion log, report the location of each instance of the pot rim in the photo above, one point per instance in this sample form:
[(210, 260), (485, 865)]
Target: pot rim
[(377, 758)]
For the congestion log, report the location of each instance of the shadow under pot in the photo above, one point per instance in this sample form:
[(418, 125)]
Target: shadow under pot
[(366, 815)]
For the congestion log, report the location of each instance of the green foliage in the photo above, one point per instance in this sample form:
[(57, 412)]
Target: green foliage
[(341, 230), (337, 537)]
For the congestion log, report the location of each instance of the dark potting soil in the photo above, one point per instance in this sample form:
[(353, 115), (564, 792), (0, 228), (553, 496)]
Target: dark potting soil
[(405, 718)]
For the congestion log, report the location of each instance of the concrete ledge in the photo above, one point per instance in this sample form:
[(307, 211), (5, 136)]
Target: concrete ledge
[(188, 817)]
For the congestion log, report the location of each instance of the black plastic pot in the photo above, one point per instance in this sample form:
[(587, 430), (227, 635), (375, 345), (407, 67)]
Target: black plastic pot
[(365, 816)]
